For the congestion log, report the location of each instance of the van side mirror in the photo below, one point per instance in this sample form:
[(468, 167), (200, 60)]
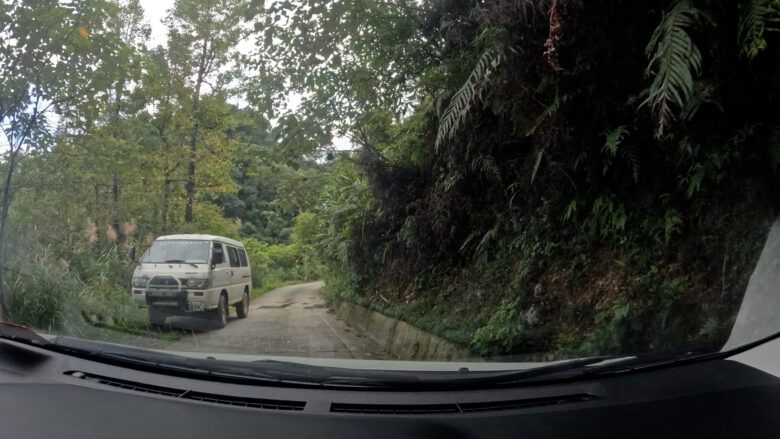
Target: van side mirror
[(131, 253)]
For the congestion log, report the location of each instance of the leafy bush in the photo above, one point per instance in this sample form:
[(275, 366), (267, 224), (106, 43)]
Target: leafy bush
[(622, 204), (86, 288), (502, 331), (37, 296), (53, 299), (279, 264)]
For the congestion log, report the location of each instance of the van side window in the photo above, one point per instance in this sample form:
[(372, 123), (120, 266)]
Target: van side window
[(243, 258), (218, 248), (233, 257)]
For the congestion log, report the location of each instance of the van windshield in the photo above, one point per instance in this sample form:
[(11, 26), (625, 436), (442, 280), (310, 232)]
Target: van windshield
[(182, 251)]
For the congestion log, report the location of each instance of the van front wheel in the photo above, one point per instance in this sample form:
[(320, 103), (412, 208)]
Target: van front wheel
[(242, 307), (157, 318), (220, 315)]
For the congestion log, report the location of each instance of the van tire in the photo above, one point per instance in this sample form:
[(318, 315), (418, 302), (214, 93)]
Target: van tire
[(242, 307), (220, 315), (157, 318)]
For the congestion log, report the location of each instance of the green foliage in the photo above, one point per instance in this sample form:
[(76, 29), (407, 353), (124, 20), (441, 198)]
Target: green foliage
[(72, 296), (457, 110), (270, 195), (278, 264), (609, 217), (558, 220), (208, 219), (756, 17), (674, 61), (614, 138), (672, 222), (37, 298), (115, 172), (501, 332), (605, 337), (52, 56), (514, 220)]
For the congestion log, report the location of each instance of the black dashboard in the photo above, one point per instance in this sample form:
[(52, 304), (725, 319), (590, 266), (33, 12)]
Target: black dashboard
[(45, 394)]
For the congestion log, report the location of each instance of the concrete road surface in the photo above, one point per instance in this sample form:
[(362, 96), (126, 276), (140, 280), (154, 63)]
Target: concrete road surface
[(290, 320)]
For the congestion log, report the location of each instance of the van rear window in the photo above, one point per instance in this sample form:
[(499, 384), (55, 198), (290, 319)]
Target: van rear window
[(243, 258)]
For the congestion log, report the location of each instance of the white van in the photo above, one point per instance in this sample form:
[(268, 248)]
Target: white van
[(186, 274)]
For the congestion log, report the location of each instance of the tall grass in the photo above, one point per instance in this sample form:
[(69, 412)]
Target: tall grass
[(90, 289)]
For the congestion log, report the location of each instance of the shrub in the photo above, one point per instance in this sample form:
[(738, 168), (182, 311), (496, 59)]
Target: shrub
[(37, 295), (276, 264)]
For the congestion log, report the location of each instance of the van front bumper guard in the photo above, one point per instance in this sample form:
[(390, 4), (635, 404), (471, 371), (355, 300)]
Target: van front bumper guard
[(179, 297)]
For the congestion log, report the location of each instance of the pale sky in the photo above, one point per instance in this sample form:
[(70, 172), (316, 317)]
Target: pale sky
[(156, 10)]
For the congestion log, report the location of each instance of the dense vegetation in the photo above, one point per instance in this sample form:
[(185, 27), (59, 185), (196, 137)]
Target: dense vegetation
[(109, 143), (527, 176), (568, 176)]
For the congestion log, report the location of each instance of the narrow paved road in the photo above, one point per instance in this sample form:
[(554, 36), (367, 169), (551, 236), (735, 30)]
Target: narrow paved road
[(290, 320)]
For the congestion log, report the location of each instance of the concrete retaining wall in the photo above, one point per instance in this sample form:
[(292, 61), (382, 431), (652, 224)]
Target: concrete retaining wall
[(399, 338)]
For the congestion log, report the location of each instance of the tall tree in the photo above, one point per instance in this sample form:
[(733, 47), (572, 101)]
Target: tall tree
[(133, 31), (102, 139), (344, 58), (203, 35), (48, 53)]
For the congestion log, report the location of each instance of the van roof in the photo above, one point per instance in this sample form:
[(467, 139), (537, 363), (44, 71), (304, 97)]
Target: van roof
[(221, 239)]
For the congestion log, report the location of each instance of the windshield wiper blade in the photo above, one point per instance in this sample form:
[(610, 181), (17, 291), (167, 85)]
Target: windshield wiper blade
[(386, 379), (12, 331), (178, 364), (536, 373), (183, 366), (448, 379), (179, 261), (276, 372), (645, 361)]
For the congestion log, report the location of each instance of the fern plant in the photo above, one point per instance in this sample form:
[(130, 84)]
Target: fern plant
[(613, 139), (612, 142), (756, 17), (461, 103), (674, 61)]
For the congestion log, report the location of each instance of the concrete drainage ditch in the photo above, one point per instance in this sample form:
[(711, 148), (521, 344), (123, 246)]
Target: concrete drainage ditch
[(398, 337)]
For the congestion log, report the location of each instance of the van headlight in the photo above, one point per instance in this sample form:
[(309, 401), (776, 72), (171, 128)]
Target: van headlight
[(196, 283), (140, 282)]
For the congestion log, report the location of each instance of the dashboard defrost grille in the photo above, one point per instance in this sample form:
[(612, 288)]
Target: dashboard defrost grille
[(522, 403), (470, 407), (237, 401), (375, 409)]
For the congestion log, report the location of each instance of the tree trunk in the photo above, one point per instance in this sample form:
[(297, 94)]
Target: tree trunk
[(119, 88), (164, 217), (4, 203), (115, 207), (190, 186)]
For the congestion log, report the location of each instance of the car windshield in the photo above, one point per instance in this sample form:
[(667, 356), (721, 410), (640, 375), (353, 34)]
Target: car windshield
[(397, 184), (189, 251)]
